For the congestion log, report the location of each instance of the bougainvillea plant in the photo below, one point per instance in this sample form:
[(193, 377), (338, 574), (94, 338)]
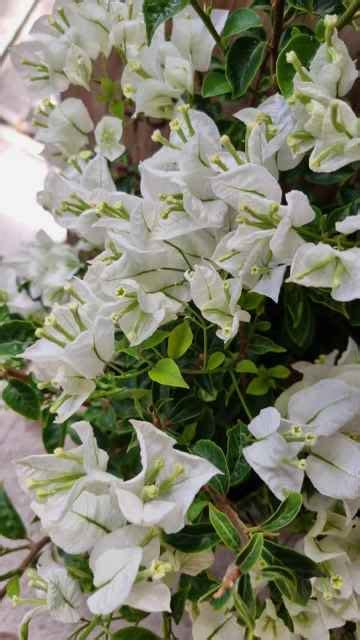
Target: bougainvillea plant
[(191, 350)]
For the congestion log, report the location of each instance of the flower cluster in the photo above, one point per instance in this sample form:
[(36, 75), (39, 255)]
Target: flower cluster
[(151, 338)]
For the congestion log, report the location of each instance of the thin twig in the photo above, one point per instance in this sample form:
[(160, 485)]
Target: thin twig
[(207, 22), (347, 16), (278, 8), (30, 558), (224, 505)]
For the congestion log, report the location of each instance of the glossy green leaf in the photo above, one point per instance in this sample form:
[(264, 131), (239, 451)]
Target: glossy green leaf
[(243, 62), (11, 525), (297, 562), (224, 528), (215, 84), (263, 344), (279, 372), (193, 538), (237, 439), (214, 454), (305, 48), (246, 366), (239, 21), (180, 340), (258, 387), (284, 514), (243, 610), (53, 435), (157, 11), (15, 336), (22, 398), (13, 587), (167, 372), (215, 360), (298, 318), (249, 556)]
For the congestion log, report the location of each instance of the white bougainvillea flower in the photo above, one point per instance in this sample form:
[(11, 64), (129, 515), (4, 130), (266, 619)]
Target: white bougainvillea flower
[(58, 595), (334, 467), (217, 300), (16, 301), (349, 225), (266, 237), (339, 141), (50, 478), (218, 624), (193, 40), (270, 627), (67, 127), (46, 265), (40, 62), (147, 592), (307, 620), (165, 488), (108, 134), (138, 313), (268, 128), (320, 265), (78, 67), (275, 461)]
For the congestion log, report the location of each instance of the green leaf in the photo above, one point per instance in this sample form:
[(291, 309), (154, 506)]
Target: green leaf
[(258, 387), (280, 372), (193, 538), (53, 435), (132, 615), (262, 344), (24, 630), (134, 633), (13, 587), (167, 372), (240, 21), (305, 48), (23, 399), (157, 11), (11, 525), (297, 562), (180, 340), (237, 439), (246, 366), (284, 579), (15, 336), (215, 84), (284, 514), (214, 454), (215, 360), (224, 528), (242, 610), (298, 319), (249, 556), (243, 62)]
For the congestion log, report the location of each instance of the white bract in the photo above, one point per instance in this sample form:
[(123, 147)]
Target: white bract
[(167, 484)]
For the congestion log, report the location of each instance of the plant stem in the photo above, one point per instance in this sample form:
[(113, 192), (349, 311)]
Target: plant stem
[(278, 8), (166, 626), (224, 505), (32, 555), (346, 17), (207, 22), (240, 395)]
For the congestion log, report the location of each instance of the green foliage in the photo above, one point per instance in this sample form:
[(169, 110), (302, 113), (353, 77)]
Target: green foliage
[(157, 11), (305, 48), (193, 538), (215, 84), (243, 61), (135, 633), (250, 555), (239, 21), (22, 398), (11, 525), (224, 528), (15, 336), (237, 439), (284, 514), (180, 340), (167, 372), (212, 452)]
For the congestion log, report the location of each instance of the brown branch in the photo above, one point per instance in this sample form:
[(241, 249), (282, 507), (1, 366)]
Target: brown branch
[(224, 505), (33, 554), (10, 373), (278, 8)]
